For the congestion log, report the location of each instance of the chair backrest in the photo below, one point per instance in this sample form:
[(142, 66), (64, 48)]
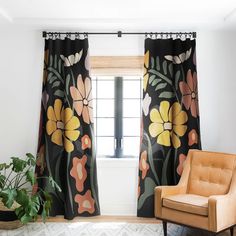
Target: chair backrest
[(210, 172)]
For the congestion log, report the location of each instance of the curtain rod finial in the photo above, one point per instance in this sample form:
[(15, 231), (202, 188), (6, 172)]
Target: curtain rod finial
[(194, 34), (44, 33)]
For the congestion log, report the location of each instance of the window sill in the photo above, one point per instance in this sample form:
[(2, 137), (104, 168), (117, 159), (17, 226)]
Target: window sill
[(106, 162)]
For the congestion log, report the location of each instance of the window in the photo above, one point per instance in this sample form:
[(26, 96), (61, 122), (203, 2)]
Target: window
[(117, 112)]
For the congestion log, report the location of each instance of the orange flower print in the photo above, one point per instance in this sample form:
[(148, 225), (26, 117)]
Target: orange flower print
[(190, 93), (192, 137), (182, 158), (82, 99), (85, 202), (86, 142), (78, 172), (40, 162), (143, 165)]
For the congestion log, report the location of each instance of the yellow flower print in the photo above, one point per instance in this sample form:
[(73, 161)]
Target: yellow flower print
[(146, 75), (62, 125), (168, 124)]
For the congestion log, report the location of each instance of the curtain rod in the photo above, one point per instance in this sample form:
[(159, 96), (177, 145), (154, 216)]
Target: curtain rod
[(119, 33)]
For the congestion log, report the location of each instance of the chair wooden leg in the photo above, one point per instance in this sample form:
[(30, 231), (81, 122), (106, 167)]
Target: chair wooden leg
[(164, 224), (232, 231)]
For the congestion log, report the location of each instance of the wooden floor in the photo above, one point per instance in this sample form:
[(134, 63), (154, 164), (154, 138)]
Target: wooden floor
[(173, 230), (128, 219)]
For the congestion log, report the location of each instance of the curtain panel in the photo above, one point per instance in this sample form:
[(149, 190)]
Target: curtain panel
[(66, 148), (170, 119)]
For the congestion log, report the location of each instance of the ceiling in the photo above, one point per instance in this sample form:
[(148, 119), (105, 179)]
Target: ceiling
[(120, 14)]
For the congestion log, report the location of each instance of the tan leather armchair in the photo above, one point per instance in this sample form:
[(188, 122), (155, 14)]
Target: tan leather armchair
[(205, 196)]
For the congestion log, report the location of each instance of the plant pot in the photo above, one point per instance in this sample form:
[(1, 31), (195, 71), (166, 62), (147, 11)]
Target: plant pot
[(8, 218)]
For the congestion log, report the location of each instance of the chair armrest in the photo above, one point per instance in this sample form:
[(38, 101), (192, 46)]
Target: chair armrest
[(163, 191), (221, 211), (180, 188)]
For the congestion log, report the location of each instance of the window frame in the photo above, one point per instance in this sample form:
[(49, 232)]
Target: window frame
[(118, 67)]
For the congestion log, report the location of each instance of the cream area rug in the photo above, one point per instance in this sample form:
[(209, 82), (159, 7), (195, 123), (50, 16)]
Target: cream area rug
[(85, 229), (102, 229)]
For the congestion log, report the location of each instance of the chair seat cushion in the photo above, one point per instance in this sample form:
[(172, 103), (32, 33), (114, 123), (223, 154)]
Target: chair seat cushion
[(190, 203)]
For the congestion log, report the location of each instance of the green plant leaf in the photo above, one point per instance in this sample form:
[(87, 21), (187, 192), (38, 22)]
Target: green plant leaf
[(150, 158), (160, 75), (19, 212), (151, 78), (2, 180), (155, 82), (164, 180), (44, 213), (50, 60), (46, 205), (31, 159), (158, 63), (30, 156), (22, 197), (59, 93), (25, 218), (171, 69), (55, 61), (164, 66), (18, 164), (67, 83), (55, 73), (52, 79), (160, 86), (33, 206), (49, 76), (29, 208), (59, 65), (54, 184), (166, 95), (152, 62), (4, 166), (56, 84), (149, 186), (177, 77), (8, 197), (30, 177)]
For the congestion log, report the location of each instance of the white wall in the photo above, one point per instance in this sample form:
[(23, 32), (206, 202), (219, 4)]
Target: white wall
[(217, 90), (21, 58)]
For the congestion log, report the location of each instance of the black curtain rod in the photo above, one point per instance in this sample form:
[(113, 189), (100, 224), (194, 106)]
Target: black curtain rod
[(119, 33)]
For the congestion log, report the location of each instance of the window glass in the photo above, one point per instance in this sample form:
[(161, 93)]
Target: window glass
[(105, 146), (105, 108), (105, 126), (105, 88), (131, 126), (104, 120), (131, 146), (131, 108), (131, 88)]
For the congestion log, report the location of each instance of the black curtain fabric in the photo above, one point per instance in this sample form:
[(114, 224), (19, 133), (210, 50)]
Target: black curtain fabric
[(66, 148), (170, 120)]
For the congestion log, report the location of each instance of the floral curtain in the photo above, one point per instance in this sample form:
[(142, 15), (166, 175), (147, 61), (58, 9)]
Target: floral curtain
[(66, 136), (170, 120)]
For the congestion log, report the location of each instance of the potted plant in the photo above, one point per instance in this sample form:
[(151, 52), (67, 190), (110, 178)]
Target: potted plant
[(19, 204)]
